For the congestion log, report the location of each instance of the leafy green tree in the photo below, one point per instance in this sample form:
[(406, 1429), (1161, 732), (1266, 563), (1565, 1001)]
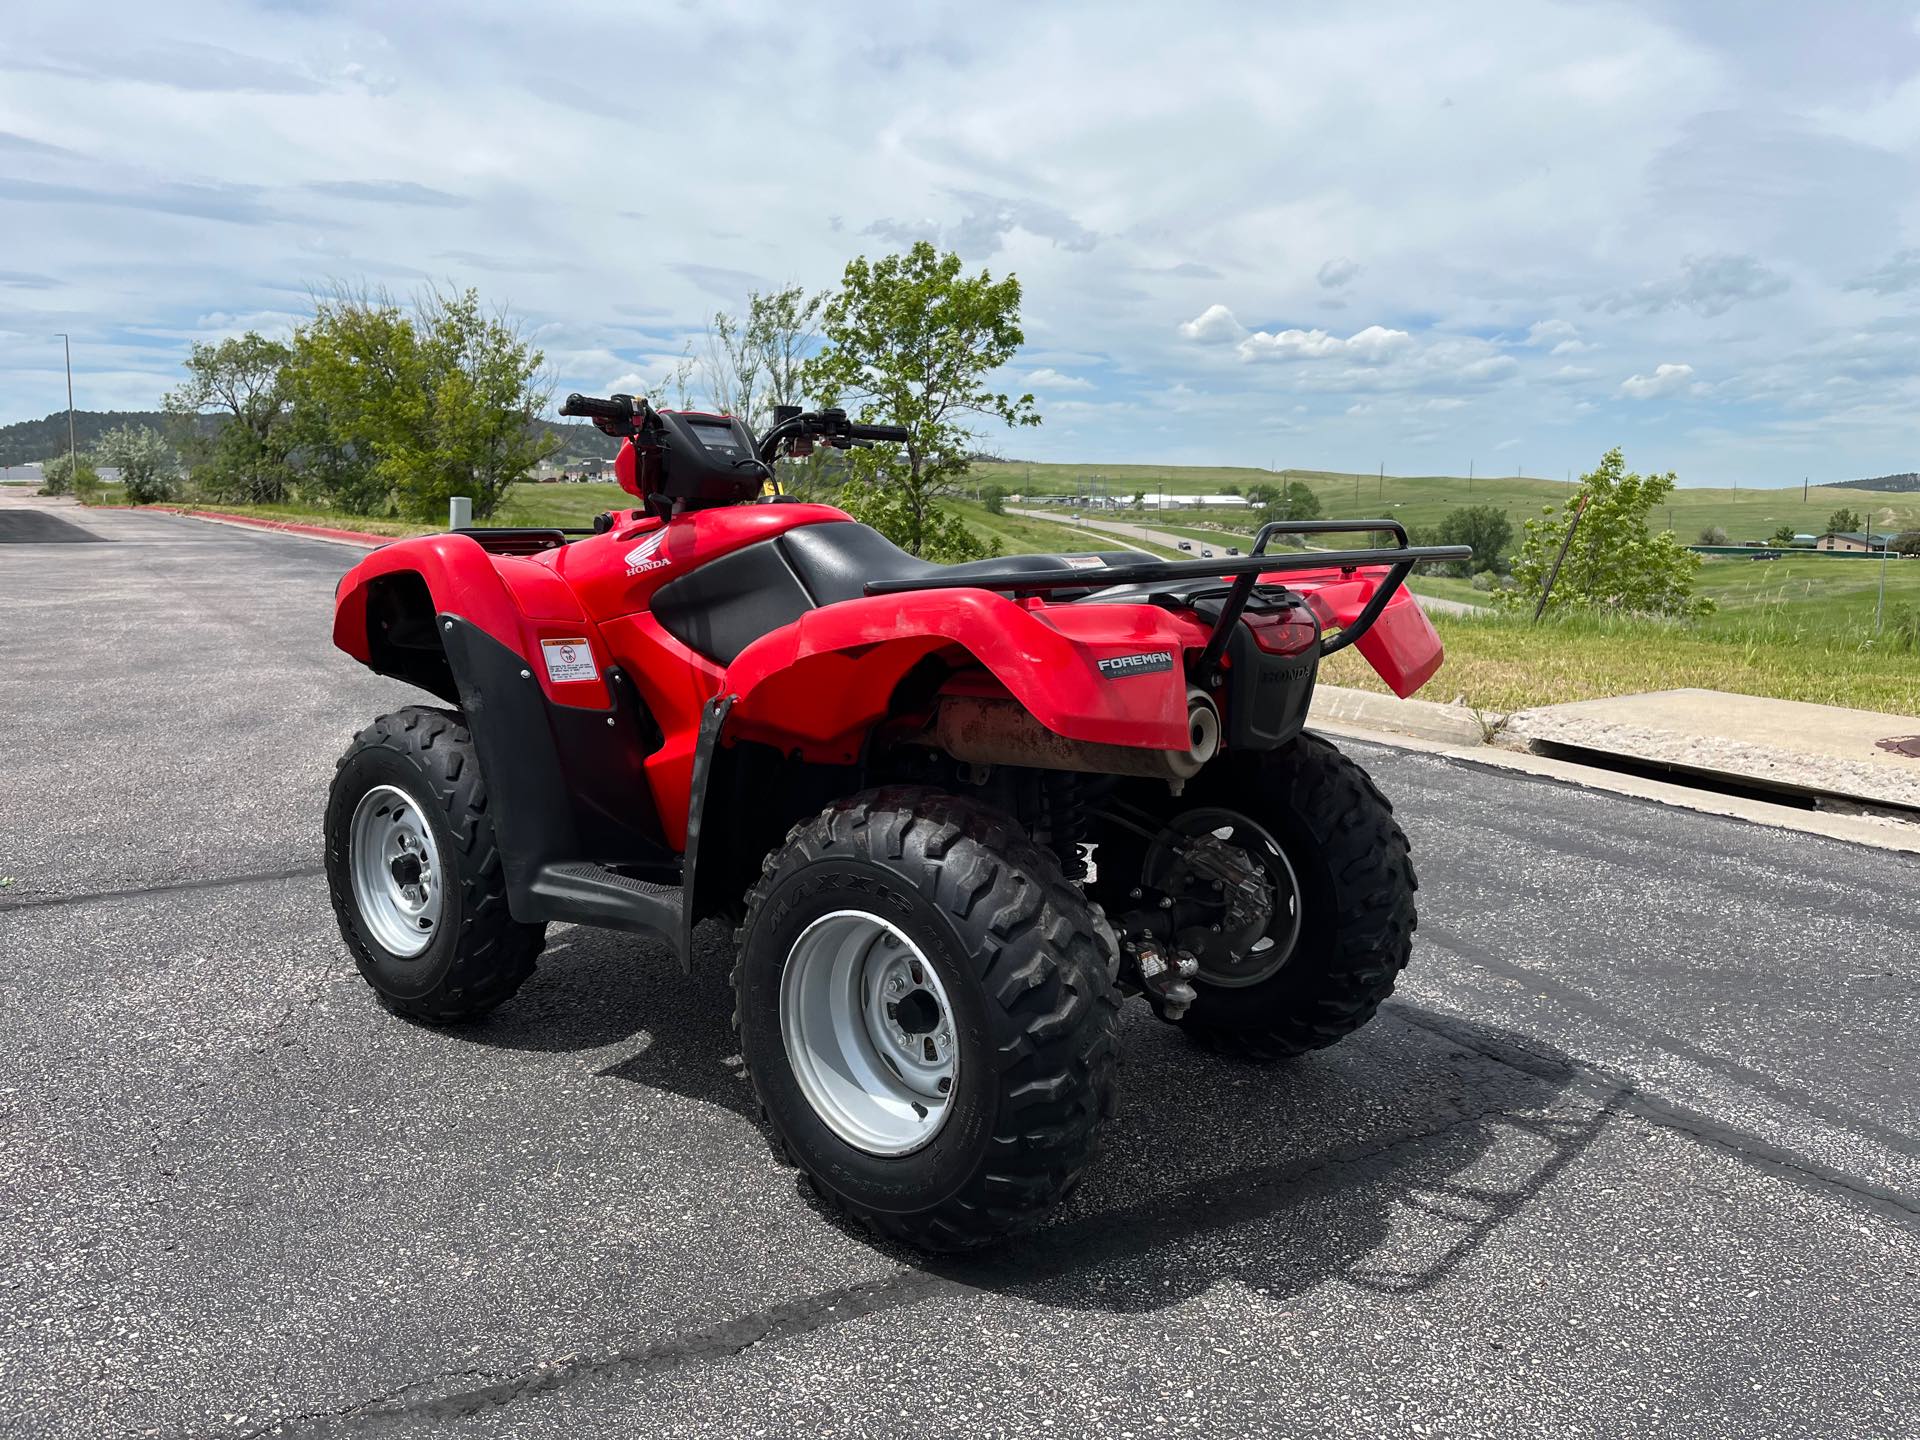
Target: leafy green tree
[(1615, 561), (240, 379), (1483, 527), (404, 411), (1844, 520), (144, 460), (1293, 501), (1907, 542), (60, 476), (994, 497), (1139, 501), (1713, 535), (1781, 537), (910, 341)]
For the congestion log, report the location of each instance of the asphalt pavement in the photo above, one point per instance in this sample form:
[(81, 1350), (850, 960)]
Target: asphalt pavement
[(1635, 1150)]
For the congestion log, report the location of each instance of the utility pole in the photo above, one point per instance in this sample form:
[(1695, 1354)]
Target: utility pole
[(1886, 549), (1469, 477), (1383, 482), (73, 457), (1803, 488)]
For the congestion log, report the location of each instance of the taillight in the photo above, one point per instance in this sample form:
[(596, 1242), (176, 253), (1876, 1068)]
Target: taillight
[(1287, 631)]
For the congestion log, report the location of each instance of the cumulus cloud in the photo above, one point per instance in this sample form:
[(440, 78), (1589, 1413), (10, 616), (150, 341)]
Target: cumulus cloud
[(1336, 273), (1551, 332), (1665, 380), (1709, 285), (1048, 378), (1213, 326), (1370, 346)]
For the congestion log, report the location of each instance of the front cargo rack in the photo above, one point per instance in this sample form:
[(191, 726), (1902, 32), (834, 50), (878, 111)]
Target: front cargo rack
[(1244, 570)]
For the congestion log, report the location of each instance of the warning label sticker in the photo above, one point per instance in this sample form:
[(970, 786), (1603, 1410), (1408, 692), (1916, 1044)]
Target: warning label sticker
[(1085, 562), (568, 660)]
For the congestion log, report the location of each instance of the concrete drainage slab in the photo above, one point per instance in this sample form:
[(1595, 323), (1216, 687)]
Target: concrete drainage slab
[(1860, 756)]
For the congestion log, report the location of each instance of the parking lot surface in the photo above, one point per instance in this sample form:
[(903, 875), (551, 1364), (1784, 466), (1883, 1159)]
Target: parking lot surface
[(1635, 1149)]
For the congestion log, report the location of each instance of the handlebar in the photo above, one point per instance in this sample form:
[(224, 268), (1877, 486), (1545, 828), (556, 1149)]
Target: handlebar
[(895, 434), (831, 426), (592, 407)]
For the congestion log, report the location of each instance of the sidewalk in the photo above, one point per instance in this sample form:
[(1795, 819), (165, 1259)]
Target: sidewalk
[(1859, 755)]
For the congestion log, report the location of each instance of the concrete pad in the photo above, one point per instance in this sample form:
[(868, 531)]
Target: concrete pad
[(1786, 743), (1366, 710)]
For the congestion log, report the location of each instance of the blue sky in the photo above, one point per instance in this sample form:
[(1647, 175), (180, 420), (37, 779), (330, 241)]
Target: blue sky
[(1323, 236)]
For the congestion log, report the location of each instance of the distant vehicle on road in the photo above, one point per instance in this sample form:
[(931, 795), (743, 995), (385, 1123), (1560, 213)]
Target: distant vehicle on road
[(1764, 555), (1206, 554), (1233, 549), (1186, 545)]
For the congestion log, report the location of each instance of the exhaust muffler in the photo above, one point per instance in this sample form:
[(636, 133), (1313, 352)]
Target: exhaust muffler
[(997, 731)]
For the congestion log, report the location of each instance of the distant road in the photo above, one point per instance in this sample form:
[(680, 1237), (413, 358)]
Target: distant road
[(1431, 604)]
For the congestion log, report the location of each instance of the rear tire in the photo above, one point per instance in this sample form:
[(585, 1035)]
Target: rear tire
[(1356, 886), (410, 784), (944, 905)]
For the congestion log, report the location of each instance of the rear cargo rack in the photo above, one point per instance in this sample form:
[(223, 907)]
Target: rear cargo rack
[(1245, 571)]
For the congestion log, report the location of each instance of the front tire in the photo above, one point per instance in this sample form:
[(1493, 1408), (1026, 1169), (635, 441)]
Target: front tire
[(415, 874), (925, 1013)]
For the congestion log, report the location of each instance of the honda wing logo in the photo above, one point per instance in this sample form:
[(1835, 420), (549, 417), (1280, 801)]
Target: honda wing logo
[(646, 555)]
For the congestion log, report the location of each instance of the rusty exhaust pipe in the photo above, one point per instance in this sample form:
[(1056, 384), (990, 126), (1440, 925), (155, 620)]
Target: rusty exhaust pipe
[(1003, 732)]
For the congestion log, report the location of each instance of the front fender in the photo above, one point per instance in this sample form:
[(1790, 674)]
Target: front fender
[(819, 684), (509, 598)]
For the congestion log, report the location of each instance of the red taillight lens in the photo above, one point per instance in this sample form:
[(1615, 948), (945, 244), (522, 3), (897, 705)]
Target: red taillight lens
[(1283, 632)]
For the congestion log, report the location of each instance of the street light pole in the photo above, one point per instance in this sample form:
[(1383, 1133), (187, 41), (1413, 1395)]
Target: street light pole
[(73, 459)]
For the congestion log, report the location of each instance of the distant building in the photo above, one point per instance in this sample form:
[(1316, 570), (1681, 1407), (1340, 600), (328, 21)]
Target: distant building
[(1853, 541)]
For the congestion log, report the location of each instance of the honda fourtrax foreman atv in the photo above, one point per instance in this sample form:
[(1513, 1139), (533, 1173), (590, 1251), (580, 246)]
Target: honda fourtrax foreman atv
[(953, 813)]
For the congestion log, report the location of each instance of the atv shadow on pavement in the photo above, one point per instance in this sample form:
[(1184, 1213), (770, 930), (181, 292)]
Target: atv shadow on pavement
[(1384, 1163)]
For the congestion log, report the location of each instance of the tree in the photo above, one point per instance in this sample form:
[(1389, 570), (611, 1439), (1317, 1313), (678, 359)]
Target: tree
[(731, 364), (242, 381), (994, 497), (1294, 501), (1844, 521), (404, 411), (1615, 561), (910, 341), (1484, 528), (60, 476), (1782, 537), (1139, 501), (1713, 535), (145, 462), (784, 325), (1907, 542)]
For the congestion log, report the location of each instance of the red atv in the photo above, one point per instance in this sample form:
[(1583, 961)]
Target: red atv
[(956, 812)]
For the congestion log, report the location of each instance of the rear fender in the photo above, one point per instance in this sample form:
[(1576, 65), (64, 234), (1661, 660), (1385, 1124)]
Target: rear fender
[(1402, 644), (819, 685)]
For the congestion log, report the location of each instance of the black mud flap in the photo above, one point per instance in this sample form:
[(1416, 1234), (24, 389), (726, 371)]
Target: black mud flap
[(573, 814)]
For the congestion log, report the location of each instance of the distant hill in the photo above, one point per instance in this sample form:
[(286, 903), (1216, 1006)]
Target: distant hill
[(27, 441), (1897, 484)]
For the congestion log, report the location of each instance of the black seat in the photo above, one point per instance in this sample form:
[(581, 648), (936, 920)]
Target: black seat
[(729, 603), (835, 561)]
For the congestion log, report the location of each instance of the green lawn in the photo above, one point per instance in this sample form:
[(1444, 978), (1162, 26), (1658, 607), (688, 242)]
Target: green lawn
[(1501, 662), (1745, 514)]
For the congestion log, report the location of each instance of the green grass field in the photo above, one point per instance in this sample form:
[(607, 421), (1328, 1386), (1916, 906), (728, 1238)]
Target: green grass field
[(1425, 499)]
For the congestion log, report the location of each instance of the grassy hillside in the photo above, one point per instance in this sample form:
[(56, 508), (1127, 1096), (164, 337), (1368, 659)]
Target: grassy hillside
[(1426, 499)]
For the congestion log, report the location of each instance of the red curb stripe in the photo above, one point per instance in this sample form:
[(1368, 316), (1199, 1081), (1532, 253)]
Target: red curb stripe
[(256, 522)]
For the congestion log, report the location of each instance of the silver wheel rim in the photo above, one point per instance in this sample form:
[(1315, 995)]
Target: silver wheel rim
[(869, 1033), (395, 865)]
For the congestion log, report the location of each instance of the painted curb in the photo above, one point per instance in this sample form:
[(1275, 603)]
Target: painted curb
[(1423, 719)]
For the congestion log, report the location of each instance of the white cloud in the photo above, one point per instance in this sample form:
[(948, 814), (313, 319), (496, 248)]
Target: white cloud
[(1665, 380), (1213, 326), (1369, 346), (1547, 332), (1047, 378)]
